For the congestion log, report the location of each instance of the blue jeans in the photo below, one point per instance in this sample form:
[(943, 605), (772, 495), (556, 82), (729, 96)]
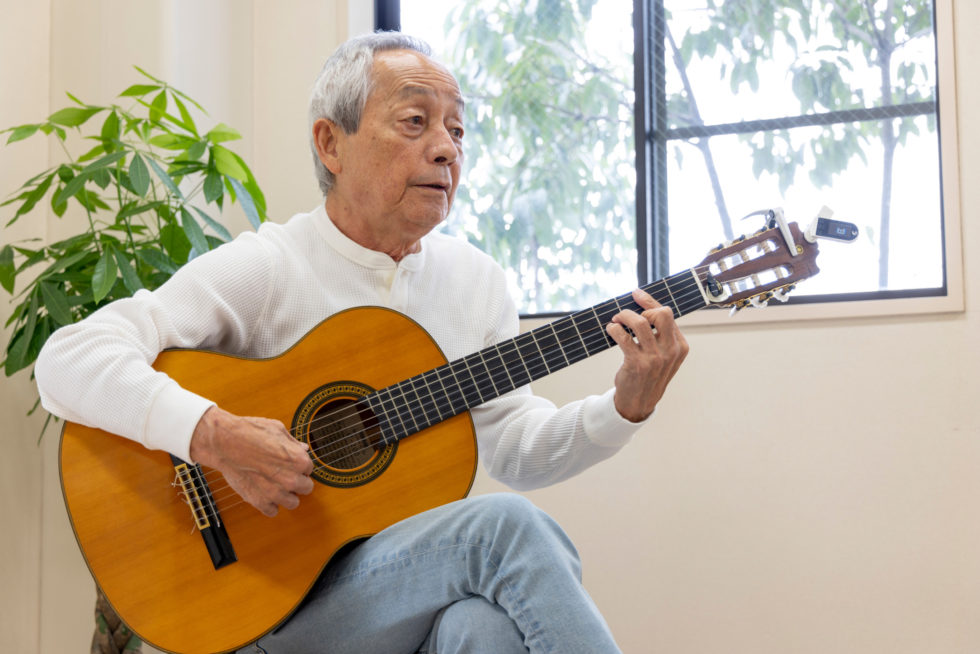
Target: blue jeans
[(489, 574)]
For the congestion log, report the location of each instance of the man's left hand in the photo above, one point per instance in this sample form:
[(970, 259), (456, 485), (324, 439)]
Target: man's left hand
[(652, 355)]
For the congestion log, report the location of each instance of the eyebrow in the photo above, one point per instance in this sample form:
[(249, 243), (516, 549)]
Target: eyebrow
[(411, 90)]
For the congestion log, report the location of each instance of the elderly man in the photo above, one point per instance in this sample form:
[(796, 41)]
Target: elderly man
[(485, 574)]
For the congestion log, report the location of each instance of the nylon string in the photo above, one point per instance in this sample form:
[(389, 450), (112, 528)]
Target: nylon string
[(565, 331)]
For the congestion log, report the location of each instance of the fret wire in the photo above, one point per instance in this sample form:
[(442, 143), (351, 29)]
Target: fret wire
[(500, 384), (551, 347), (529, 352), (510, 379), (476, 383), (509, 360), (387, 429), (583, 321), (384, 398), (483, 362), (468, 385), (561, 346), (404, 406), (385, 403), (438, 393), (422, 400), (455, 390), (537, 345), (420, 388), (578, 332)]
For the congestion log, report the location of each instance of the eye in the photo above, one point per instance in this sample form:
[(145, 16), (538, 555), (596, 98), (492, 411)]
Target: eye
[(416, 120), (457, 132)]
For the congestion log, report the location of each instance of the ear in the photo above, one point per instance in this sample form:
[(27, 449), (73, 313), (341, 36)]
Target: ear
[(327, 136)]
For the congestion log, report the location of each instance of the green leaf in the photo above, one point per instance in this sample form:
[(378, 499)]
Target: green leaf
[(21, 133), (16, 352), (157, 259), (227, 164), (159, 81), (58, 206), (245, 199), (196, 151), (18, 346), (97, 151), (130, 279), (67, 191), (104, 276), (218, 228), (139, 90), (139, 176), (110, 128), (170, 141), (222, 132), (33, 197), (56, 303), (134, 208), (102, 178), (175, 243), (158, 107), (193, 231), (165, 178), (185, 116), (61, 264), (107, 160), (213, 189), (7, 271), (73, 116)]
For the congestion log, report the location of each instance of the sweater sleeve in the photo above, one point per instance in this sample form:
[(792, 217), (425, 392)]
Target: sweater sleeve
[(527, 442), (98, 372)]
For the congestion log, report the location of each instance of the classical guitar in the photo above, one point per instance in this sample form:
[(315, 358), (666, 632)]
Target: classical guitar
[(191, 568)]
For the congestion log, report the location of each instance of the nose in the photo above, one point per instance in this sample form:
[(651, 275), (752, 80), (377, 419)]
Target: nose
[(444, 149)]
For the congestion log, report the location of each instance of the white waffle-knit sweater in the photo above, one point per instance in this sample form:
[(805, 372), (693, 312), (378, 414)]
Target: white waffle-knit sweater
[(259, 294)]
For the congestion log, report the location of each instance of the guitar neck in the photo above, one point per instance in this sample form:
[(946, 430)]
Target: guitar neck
[(441, 393)]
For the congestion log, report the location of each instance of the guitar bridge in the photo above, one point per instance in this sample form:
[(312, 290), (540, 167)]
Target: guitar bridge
[(198, 496)]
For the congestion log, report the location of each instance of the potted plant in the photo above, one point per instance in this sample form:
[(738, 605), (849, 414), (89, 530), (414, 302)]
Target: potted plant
[(150, 185)]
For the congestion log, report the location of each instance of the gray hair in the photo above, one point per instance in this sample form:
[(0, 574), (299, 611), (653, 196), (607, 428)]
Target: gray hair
[(344, 83)]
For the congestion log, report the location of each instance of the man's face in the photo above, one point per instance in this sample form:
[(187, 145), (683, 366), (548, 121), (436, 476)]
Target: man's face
[(397, 175)]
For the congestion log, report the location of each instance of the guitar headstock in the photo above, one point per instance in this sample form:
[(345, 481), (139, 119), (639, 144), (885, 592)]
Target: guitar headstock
[(753, 269)]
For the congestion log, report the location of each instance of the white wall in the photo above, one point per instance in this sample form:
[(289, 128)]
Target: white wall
[(807, 486)]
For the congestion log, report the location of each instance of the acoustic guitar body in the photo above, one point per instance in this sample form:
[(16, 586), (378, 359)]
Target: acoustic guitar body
[(138, 533)]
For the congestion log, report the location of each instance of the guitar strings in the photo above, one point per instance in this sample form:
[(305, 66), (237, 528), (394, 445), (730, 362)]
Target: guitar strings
[(687, 290), (692, 288), (349, 411), (565, 333)]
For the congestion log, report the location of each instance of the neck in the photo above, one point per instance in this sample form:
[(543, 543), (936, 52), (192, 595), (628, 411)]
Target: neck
[(357, 230)]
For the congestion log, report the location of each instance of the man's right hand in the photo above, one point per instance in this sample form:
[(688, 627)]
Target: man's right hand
[(258, 457)]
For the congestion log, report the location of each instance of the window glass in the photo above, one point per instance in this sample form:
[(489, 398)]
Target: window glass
[(801, 104), (775, 103), (548, 187)]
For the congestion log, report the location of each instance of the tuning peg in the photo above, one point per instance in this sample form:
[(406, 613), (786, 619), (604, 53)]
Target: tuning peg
[(782, 294)]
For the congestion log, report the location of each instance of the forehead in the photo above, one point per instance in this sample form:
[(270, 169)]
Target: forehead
[(404, 75)]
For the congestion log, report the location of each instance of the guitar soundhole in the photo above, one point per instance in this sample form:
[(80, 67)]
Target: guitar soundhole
[(344, 437), (341, 438)]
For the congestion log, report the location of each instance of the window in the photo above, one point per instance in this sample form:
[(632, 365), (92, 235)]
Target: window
[(742, 106)]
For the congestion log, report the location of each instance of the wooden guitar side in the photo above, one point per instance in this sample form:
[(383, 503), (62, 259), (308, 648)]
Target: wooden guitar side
[(138, 536)]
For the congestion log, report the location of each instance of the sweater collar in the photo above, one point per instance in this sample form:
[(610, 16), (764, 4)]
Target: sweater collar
[(358, 253)]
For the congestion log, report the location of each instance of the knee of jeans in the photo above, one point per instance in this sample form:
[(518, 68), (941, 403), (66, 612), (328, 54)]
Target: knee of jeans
[(519, 516), (474, 624)]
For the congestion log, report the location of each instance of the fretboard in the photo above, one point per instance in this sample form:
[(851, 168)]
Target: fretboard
[(441, 393)]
